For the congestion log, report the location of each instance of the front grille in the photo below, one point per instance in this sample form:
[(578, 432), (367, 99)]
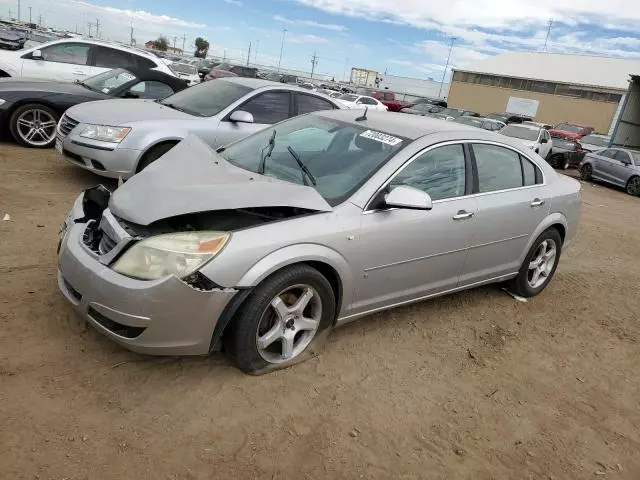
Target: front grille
[(115, 327), (98, 240), (106, 243), (66, 125)]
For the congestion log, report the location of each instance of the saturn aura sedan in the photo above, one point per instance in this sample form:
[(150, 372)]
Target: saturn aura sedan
[(119, 138), (264, 246)]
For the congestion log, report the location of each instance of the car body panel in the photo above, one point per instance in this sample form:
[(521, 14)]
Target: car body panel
[(382, 257)]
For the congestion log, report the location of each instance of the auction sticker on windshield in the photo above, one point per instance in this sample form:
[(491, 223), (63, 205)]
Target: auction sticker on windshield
[(381, 137)]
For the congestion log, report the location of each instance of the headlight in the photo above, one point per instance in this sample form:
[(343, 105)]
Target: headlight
[(2, 102), (105, 133), (178, 254)]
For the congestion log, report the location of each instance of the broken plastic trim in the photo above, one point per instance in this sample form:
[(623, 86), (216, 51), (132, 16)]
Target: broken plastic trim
[(198, 281)]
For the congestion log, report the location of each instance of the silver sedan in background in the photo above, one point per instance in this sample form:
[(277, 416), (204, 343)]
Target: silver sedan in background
[(266, 245), (617, 166), (118, 138)]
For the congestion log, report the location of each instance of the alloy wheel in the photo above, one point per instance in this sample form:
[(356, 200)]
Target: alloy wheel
[(36, 127), (541, 264), (585, 172), (289, 324), (633, 186)]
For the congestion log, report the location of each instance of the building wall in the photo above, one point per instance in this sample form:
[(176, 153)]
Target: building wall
[(552, 108)]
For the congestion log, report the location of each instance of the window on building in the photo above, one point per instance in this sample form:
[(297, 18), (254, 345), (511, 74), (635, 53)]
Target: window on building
[(542, 87)]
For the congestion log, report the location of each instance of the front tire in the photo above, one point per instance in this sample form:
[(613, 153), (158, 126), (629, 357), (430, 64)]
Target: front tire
[(539, 265), (281, 320), (586, 172), (633, 186), (34, 125)]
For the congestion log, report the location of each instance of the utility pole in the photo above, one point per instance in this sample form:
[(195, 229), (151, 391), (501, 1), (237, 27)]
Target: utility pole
[(224, 56), (255, 56), (10, 15), (314, 62), (284, 31), (446, 65), (18, 10), (97, 28), (89, 28), (344, 72), (546, 39), (131, 32), (249, 54), (175, 39), (184, 40), (29, 15), (40, 21)]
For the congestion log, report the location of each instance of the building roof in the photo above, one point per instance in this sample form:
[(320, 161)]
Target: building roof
[(583, 70)]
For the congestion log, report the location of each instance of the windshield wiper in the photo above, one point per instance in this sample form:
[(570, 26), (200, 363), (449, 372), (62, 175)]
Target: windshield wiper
[(175, 107), (269, 146), (80, 82), (303, 167)]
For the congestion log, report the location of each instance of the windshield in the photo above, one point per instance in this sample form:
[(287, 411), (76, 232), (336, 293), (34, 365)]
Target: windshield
[(108, 81), (450, 112), (340, 156), (520, 132), (348, 97), (593, 140), (183, 68), (497, 116), (567, 127), (207, 99)]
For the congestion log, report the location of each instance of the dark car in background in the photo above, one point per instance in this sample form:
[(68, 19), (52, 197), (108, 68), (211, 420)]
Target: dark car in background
[(11, 40), (31, 109), (205, 66), (565, 153), (227, 70), (422, 109), (431, 101), (509, 118), (594, 142), (453, 113), (481, 122)]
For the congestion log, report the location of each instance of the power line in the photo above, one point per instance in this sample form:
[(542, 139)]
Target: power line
[(446, 65), (314, 62)]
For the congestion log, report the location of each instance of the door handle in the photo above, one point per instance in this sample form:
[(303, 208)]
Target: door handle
[(536, 203), (462, 215)]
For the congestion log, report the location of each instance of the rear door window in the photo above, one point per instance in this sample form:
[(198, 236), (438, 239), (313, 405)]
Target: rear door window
[(105, 57), (311, 103), (269, 107), (498, 168)]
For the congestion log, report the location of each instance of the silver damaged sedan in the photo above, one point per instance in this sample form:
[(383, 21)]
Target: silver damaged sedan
[(264, 246)]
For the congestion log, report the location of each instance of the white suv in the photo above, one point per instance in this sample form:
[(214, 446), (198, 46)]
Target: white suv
[(75, 59)]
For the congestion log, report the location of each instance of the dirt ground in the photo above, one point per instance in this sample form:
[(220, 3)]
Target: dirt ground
[(471, 386)]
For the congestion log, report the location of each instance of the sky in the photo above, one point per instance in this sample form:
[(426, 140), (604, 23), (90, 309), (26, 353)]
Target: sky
[(406, 37)]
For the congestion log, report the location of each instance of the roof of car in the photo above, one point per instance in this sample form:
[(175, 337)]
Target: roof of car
[(400, 124), (252, 82), (106, 43), (524, 125)]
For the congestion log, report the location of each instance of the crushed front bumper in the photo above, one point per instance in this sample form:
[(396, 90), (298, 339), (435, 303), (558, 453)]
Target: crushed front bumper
[(160, 317)]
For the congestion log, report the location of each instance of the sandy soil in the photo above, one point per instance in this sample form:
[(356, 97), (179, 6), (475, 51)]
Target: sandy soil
[(471, 386)]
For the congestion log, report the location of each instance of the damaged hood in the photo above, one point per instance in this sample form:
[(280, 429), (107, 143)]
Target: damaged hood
[(192, 178)]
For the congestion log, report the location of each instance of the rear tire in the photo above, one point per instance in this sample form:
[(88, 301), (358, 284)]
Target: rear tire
[(633, 186), (539, 265), (262, 338), (586, 172), (153, 154)]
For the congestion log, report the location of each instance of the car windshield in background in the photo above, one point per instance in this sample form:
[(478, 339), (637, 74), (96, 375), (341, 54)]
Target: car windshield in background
[(520, 132), (593, 140), (497, 116), (561, 142), (423, 107), (206, 99), (348, 97), (450, 112), (108, 81), (340, 156), (475, 122), (636, 158), (567, 127), (183, 68)]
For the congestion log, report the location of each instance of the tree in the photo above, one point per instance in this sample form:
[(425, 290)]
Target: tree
[(161, 44), (202, 48)]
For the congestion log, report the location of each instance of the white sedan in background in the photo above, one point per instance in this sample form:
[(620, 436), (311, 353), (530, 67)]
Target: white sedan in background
[(360, 102), (534, 137), (185, 71)]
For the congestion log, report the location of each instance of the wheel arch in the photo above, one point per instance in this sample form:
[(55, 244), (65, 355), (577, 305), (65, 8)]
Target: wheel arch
[(555, 220), (154, 144), (35, 101)]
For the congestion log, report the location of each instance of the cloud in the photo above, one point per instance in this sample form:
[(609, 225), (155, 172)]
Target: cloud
[(234, 2), (138, 15), (309, 23), (305, 38)]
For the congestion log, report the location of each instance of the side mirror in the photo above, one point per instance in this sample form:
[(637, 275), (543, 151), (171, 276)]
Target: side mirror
[(36, 55), (240, 116), (544, 140), (410, 198)]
